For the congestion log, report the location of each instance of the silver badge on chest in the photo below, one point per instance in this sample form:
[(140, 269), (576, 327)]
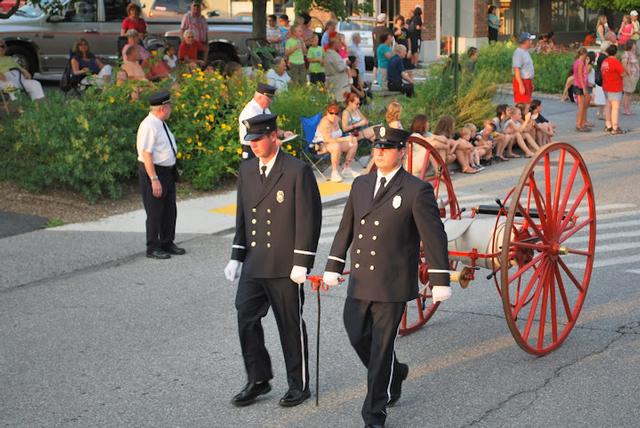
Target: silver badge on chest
[(397, 201), (280, 196)]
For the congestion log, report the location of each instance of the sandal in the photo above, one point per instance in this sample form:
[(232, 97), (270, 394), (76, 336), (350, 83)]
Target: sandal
[(470, 171), (618, 131), (583, 129), (513, 156), (607, 129), (501, 158)]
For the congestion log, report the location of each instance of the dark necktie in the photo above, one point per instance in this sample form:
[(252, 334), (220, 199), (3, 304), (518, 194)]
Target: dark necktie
[(383, 182), (263, 174)]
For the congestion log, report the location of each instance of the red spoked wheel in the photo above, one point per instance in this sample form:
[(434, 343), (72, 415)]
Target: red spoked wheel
[(547, 258), (432, 170)]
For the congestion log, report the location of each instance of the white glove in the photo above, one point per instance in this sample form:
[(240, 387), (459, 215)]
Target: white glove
[(298, 274), (232, 270), (440, 293), (331, 278)]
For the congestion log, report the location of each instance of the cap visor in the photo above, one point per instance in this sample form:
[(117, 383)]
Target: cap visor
[(253, 137), (382, 144)]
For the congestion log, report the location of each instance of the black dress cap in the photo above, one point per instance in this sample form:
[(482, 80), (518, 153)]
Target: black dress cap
[(266, 89), (390, 138), (260, 125), (159, 98)]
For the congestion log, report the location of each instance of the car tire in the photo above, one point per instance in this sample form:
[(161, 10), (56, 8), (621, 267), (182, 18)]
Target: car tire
[(24, 57)]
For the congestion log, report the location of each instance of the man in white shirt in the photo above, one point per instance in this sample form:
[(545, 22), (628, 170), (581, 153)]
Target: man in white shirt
[(259, 104), (356, 50), (157, 148)]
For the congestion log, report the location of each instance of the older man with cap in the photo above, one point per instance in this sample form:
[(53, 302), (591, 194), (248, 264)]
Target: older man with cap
[(523, 71), (259, 104), (388, 214), (156, 175), (278, 219)]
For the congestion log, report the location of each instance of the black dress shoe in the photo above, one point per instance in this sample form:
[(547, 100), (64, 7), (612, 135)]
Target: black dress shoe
[(175, 250), (293, 397), (158, 254), (250, 392), (396, 384)]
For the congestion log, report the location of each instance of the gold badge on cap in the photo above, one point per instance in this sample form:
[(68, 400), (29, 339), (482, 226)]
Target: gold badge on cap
[(397, 201), (383, 131), (280, 196)]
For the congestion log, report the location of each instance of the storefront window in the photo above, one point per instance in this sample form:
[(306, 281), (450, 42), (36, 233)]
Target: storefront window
[(559, 15), (528, 16)]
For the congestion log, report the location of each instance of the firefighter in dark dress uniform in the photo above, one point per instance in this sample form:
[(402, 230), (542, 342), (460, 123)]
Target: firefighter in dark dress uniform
[(388, 213), (279, 214)]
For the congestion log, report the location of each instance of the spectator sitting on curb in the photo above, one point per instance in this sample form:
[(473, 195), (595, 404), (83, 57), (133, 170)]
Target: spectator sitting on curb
[(277, 76), (398, 78), (13, 75)]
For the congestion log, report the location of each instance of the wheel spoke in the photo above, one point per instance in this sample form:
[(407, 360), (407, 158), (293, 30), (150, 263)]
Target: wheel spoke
[(419, 307), (554, 321), (571, 276), (537, 197), (579, 252), (563, 294), (403, 323), (547, 184), (523, 299), (524, 268), (575, 229), (543, 309), (531, 223), (539, 247), (532, 313), (574, 207), (567, 194), (558, 189)]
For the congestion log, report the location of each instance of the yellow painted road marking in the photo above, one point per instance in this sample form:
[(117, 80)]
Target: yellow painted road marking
[(327, 188)]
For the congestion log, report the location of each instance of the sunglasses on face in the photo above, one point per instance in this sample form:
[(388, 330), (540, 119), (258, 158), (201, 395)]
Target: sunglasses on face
[(332, 112)]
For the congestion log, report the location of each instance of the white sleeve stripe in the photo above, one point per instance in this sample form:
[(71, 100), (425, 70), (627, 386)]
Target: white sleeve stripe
[(240, 247), (306, 253), (438, 271), (336, 259)]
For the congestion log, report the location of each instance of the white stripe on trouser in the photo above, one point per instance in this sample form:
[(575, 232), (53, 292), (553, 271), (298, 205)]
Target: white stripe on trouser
[(304, 361), (393, 360)]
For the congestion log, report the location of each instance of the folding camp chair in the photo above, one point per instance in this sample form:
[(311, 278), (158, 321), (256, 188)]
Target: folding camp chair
[(310, 148)]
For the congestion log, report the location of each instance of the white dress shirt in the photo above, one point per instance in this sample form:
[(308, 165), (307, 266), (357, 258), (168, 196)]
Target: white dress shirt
[(388, 177), (152, 138), (269, 164)]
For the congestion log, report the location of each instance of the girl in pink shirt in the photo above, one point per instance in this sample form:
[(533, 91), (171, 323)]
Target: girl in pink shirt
[(626, 30), (580, 85)]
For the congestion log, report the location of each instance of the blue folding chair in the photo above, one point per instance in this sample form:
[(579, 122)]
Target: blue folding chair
[(310, 148)]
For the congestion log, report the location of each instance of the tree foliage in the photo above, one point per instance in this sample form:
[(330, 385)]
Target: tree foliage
[(619, 5), (341, 8)]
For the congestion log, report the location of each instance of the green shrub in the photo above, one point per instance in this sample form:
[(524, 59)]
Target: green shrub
[(298, 102)]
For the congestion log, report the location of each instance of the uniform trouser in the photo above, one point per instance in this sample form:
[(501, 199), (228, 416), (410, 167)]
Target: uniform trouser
[(162, 211), (286, 298), (372, 328)]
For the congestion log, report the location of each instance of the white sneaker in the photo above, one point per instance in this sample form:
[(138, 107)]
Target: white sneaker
[(336, 177), (349, 172)]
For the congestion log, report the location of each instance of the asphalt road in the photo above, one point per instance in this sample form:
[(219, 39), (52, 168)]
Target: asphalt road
[(92, 333)]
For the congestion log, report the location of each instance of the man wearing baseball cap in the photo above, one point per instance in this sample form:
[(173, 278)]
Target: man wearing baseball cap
[(523, 70)]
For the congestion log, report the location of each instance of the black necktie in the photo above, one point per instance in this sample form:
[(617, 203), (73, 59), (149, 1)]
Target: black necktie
[(383, 182), (263, 174)]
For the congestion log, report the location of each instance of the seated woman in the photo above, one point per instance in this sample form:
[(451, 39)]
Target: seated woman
[(420, 129), (277, 76), (189, 50), (86, 67), (545, 129), (133, 39), (12, 75), (486, 140), (460, 148), (502, 139), (357, 85), (392, 116), (330, 135), (353, 121)]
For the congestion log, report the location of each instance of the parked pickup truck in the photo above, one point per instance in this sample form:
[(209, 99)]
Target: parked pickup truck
[(41, 42)]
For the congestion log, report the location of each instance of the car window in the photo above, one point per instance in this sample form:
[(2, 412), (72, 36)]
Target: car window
[(82, 11), (30, 11), (115, 10), (177, 6)]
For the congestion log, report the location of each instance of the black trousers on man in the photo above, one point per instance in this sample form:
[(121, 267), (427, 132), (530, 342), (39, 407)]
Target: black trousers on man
[(372, 328), (405, 88), (253, 299), (162, 211)]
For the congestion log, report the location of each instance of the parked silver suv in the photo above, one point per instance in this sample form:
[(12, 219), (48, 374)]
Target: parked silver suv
[(42, 42)]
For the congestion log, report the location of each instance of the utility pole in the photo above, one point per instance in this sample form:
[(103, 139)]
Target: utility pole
[(456, 36)]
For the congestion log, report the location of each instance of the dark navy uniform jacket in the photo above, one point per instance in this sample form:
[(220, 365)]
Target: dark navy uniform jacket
[(278, 222), (385, 234)]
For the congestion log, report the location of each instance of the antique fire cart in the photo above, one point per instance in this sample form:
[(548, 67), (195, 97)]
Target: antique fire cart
[(537, 244)]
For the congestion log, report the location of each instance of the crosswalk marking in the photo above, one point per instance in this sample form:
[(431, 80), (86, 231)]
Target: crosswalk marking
[(608, 262), (604, 236)]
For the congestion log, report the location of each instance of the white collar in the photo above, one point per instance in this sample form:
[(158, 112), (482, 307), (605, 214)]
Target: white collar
[(389, 176), (269, 164)]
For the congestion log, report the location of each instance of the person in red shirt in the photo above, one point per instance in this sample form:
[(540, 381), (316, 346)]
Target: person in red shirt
[(612, 72), (133, 21), (189, 49)]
